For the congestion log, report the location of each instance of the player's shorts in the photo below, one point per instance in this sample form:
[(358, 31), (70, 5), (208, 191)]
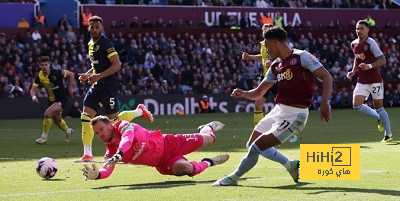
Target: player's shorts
[(375, 89), (63, 103), (283, 121), (104, 95), (175, 147)]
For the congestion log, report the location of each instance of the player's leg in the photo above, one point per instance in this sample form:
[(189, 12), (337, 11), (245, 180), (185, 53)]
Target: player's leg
[(57, 117), (259, 110), (47, 121), (140, 110), (264, 126), (90, 107), (206, 131), (288, 120), (87, 134), (361, 92), (377, 95)]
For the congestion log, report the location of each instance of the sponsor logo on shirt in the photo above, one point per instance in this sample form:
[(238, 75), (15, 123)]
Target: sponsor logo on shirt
[(137, 154), (287, 75)]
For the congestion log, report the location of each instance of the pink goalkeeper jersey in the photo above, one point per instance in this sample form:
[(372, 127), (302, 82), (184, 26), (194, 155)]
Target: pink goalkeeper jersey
[(139, 145)]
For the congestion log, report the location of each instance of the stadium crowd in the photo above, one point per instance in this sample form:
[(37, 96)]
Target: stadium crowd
[(154, 63)]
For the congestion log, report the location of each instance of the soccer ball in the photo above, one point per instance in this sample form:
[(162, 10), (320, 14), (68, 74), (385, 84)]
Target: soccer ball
[(46, 168)]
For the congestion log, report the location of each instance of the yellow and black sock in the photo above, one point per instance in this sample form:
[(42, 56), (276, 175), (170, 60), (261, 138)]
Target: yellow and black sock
[(127, 115), (258, 115), (62, 125), (47, 121), (87, 132)]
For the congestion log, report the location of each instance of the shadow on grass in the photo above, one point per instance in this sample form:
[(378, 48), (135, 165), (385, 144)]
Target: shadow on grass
[(320, 190), (165, 184)]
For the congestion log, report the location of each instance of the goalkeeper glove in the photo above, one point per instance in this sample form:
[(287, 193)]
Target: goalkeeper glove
[(114, 159), (91, 173)]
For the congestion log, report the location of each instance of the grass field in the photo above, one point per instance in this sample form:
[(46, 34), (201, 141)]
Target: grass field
[(380, 166)]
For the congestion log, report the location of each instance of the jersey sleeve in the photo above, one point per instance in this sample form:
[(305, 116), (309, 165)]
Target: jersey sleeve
[(36, 82), (309, 61), (270, 77), (110, 49), (105, 172), (127, 136), (374, 47)]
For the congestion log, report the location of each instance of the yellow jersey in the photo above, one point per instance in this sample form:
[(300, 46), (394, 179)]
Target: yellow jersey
[(264, 55)]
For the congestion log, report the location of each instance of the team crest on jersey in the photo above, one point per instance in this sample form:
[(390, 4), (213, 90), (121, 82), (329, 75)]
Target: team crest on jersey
[(293, 61), (287, 75), (360, 56), (96, 48), (53, 77), (365, 47)]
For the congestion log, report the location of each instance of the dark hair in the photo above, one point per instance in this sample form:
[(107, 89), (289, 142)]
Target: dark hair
[(104, 119), (275, 33), (43, 59), (96, 18), (363, 22)]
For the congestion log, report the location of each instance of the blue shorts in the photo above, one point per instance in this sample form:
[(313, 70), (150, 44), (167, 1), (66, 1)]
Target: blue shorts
[(103, 95)]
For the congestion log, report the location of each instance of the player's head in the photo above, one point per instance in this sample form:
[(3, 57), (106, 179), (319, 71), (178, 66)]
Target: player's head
[(103, 128), (95, 26), (44, 64), (274, 38), (362, 29)]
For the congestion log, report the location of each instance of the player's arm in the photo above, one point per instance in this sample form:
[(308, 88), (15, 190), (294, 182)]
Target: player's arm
[(247, 56), (71, 80), (253, 94), (33, 90), (93, 173), (327, 81), (381, 61), (127, 136), (84, 76), (115, 67)]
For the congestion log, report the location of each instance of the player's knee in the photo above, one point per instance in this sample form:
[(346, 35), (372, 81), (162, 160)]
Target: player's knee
[(356, 107), (85, 117), (182, 168)]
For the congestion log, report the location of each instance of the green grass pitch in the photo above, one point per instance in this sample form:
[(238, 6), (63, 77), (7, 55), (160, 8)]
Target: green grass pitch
[(380, 166)]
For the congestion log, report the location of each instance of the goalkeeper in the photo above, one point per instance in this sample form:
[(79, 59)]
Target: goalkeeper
[(130, 143)]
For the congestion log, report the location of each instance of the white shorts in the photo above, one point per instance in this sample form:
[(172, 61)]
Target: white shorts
[(283, 121), (375, 89)]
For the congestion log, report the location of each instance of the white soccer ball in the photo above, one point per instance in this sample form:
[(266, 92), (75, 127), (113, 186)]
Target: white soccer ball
[(46, 167)]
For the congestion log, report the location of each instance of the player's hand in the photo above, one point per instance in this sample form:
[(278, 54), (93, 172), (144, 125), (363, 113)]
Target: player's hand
[(245, 56), (364, 66), (325, 112), (350, 74), (268, 63), (91, 173), (237, 93), (35, 99), (83, 77), (94, 78), (114, 159)]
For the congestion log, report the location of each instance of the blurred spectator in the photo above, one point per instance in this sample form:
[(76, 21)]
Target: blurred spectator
[(75, 110), (204, 105), (36, 35), (122, 24), (113, 24), (85, 18), (371, 22), (245, 21), (278, 20), (266, 19), (134, 23), (23, 23), (64, 21), (40, 20), (147, 24)]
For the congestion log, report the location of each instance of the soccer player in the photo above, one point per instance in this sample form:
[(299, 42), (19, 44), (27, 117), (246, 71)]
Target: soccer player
[(262, 57), (130, 143), (104, 90), (294, 72), (52, 81), (368, 60)]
